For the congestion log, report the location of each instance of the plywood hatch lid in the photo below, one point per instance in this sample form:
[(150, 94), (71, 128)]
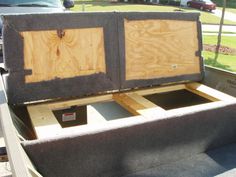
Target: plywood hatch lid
[(160, 49), (64, 55), (67, 53)]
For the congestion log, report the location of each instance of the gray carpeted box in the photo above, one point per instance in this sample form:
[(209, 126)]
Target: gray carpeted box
[(127, 146), (137, 144)]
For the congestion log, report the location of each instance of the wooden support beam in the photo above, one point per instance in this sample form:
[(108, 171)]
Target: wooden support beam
[(44, 122), (208, 93), (79, 102), (109, 97), (134, 103), (159, 89)]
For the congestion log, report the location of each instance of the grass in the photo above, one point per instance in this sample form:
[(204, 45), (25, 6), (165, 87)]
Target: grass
[(226, 62), (89, 6), (229, 41)]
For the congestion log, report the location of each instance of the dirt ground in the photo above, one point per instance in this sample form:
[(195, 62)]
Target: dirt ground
[(223, 49)]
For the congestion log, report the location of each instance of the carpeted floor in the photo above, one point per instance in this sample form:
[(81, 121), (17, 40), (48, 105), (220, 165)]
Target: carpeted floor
[(219, 162)]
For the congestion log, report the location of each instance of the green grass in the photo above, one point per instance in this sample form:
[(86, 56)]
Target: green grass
[(89, 6), (229, 41), (226, 62)]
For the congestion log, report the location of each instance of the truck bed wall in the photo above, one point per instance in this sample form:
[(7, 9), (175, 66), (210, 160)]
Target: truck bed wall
[(221, 80)]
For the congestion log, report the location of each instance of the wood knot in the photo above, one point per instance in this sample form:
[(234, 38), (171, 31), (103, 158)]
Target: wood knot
[(61, 33)]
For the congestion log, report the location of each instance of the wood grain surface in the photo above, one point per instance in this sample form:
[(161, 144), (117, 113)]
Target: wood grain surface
[(78, 52), (160, 48)]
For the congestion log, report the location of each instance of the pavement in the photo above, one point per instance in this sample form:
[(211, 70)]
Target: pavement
[(215, 28), (228, 15), (212, 30), (226, 28)]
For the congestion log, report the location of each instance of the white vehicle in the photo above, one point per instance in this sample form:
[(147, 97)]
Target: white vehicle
[(184, 2), (30, 6)]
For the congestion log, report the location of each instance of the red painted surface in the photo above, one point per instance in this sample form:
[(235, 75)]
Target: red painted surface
[(202, 4)]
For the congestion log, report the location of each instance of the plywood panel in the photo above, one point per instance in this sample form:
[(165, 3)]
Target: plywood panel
[(78, 52), (160, 48)]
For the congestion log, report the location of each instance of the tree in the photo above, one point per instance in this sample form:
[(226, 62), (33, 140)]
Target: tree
[(220, 32)]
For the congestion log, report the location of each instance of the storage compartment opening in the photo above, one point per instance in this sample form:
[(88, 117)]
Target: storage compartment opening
[(176, 99), (90, 114), (108, 111), (52, 119), (56, 118)]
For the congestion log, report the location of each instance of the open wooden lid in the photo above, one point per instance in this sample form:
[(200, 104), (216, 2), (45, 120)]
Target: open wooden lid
[(53, 56), (159, 48)]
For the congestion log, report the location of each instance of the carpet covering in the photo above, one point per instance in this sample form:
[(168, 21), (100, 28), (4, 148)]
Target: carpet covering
[(136, 145), (218, 162)]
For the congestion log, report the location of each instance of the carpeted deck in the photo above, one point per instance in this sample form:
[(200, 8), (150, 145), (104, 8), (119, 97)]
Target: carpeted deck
[(220, 162)]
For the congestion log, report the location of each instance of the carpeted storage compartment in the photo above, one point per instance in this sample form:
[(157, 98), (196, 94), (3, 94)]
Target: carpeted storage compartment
[(111, 94), (129, 146)]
